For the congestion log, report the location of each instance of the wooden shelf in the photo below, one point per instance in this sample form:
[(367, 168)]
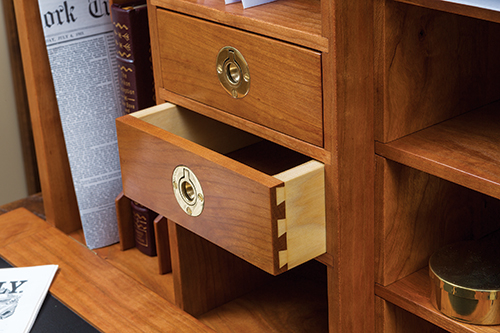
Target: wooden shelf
[(463, 150), (412, 294), (295, 21), (295, 301), (481, 9)]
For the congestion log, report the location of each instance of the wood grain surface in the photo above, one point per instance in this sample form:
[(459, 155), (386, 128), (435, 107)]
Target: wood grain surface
[(205, 275), (55, 177), (392, 318), (94, 289), (413, 295), (463, 150), (240, 211), (350, 177), (431, 66), (417, 213), (295, 21), (475, 10), (285, 80)]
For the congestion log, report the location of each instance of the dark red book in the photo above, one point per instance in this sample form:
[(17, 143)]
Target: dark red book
[(133, 54), (144, 228)]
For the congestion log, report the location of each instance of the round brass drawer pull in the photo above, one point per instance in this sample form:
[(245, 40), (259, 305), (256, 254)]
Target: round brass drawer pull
[(233, 73), (188, 191)]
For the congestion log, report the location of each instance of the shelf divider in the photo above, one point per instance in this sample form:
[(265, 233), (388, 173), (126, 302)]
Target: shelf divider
[(463, 150)]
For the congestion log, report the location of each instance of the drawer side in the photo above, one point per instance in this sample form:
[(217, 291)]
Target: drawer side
[(304, 222)]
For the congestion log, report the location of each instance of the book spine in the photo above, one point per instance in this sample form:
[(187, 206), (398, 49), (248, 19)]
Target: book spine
[(144, 228), (133, 55)]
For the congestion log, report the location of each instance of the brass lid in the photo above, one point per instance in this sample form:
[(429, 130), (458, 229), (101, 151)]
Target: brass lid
[(469, 269)]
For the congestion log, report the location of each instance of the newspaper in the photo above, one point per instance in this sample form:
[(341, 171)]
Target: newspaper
[(80, 44), (22, 292)]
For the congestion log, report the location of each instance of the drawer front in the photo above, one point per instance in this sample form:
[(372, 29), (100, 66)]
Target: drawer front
[(258, 217), (285, 90)]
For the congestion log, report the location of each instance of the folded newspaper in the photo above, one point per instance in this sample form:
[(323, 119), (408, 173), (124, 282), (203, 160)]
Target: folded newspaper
[(22, 291)]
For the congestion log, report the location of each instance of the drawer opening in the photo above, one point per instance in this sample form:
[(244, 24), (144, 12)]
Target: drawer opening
[(246, 148), (197, 128)]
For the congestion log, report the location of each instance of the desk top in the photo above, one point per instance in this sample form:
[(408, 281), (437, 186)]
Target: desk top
[(105, 296)]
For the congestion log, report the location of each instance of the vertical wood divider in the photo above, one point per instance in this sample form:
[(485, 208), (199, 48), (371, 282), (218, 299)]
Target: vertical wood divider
[(59, 197)]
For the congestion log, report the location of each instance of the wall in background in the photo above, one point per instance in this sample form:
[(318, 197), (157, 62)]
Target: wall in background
[(12, 173)]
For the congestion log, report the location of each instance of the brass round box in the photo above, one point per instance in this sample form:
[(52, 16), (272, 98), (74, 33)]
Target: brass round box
[(465, 281)]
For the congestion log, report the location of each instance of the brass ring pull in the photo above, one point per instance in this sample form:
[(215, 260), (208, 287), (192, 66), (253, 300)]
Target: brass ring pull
[(233, 73), (188, 191)]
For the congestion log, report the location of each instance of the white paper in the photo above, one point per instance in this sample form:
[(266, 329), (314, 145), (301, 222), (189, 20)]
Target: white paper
[(486, 4), (249, 3), (22, 291), (80, 43), (252, 3)]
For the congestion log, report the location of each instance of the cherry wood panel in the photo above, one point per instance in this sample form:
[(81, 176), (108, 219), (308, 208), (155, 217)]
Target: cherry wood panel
[(16, 226), (391, 318), (243, 210), (285, 80), (417, 213), (431, 66), (205, 275), (295, 21), (61, 208), (293, 302), (125, 222), (318, 153), (162, 245), (140, 267), (481, 10), (350, 177), (238, 210), (413, 294), (94, 289), (463, 150)]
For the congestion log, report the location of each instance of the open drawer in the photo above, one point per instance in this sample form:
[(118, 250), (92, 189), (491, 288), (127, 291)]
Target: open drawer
[(260, 201)]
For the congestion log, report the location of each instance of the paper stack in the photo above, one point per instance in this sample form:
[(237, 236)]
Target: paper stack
[(22, 291)]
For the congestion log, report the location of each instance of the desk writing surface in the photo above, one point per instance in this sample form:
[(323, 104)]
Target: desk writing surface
[(54, 316), (91, 287)]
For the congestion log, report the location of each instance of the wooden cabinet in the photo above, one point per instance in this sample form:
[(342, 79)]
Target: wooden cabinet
[(437, 161), (310, 78)]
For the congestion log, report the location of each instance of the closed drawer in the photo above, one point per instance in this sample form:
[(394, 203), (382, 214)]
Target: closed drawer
[(260, 201), (285, 87)]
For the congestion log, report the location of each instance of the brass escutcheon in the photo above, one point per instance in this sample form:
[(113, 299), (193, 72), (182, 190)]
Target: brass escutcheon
[(233, 73)]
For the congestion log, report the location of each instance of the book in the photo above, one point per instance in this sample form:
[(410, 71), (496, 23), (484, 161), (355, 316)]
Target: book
[(144, 228), (22, 291), (133, 55)]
